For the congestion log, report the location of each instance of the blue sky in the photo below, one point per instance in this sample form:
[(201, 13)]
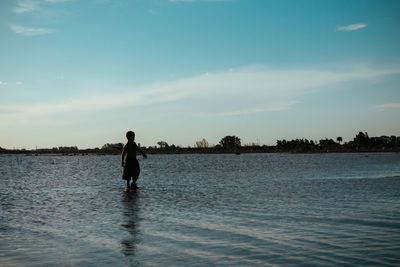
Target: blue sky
[(76, 72)]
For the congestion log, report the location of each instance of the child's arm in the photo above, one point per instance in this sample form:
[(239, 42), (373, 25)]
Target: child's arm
[(123, 156), (141, 152)]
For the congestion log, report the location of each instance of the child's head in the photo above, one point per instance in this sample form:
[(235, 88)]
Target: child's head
[(130, 136)]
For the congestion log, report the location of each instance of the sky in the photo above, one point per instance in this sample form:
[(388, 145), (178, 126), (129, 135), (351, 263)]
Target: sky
[(83, 72)]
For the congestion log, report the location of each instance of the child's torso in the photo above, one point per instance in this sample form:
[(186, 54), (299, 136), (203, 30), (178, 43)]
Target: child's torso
[(131, 150)]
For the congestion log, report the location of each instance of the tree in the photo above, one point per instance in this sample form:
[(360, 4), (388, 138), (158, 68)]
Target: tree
[(339, 139), (112, 148), (162, 144), (202, 144), (229, 142), (68, 149), (362, 138), (326, 142)]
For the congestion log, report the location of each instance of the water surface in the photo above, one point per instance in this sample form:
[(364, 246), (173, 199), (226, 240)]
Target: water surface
[(199, 210)]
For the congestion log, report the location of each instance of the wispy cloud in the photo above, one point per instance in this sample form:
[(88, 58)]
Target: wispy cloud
[(234, 92), (388, 105), (2, 83), (276, 107), (352, 27), (29, 31), (26, 6)]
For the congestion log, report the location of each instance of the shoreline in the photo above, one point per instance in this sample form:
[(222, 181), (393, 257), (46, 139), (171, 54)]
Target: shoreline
[(232, 145), (207, 151)]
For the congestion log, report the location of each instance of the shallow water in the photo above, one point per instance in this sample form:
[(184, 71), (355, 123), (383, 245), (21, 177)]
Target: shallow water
[(201, 210)]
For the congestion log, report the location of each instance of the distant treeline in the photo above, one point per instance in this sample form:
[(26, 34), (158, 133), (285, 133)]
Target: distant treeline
[(232, 144), (361, 143)]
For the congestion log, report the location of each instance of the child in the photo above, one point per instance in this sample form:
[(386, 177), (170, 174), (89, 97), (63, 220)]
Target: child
[(131, 164)]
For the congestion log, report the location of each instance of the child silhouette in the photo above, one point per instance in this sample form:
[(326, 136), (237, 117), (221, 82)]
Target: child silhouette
[(130, 163)]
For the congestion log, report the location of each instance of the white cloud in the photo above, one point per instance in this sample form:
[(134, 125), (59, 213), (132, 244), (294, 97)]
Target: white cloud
[(388, 105), (28, 31), (276, 107), (352, 27), (18, 83), (2, 83), (241, 91), (26, 6)]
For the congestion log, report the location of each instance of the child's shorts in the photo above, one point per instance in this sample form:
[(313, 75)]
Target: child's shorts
[(131, 169)]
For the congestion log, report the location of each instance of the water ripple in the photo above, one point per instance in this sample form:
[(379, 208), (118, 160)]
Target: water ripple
[(201, 210)]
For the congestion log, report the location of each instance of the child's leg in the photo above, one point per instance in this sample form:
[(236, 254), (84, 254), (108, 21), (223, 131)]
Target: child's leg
[(135, 174), (134, 179)]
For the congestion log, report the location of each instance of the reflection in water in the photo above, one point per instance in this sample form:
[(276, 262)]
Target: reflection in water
[(130, 212)]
